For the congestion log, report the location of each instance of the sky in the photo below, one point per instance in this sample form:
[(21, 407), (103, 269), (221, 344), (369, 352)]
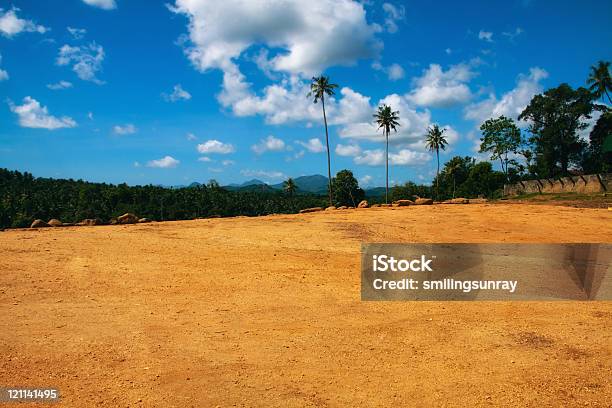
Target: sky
[(171, 92)]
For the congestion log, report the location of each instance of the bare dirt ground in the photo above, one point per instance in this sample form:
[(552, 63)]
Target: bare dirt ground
[(267, 312)]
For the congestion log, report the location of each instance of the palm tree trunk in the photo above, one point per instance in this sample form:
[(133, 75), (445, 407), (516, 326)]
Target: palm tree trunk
[(454, 184), (438, 175), (387, 168), (329, 180)]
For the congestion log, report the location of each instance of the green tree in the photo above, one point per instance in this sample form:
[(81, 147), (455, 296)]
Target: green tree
[(599, 158), (500, 137), (289, 187), (319, 87), (346, 188), (434, 141), (387, 119), (556, 116), (599, 81)]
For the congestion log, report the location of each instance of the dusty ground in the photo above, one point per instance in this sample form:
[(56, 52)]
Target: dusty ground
[(267, 312)]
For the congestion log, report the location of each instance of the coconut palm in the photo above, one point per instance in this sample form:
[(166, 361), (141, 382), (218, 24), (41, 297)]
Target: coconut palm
[(434, 141), (452, 170), (387, 119), (289, 187), (600, 81), (319, 87)]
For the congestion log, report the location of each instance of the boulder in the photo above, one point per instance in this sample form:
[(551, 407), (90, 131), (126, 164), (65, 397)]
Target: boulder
[(363, 204), (403, 203), (330, 208), (55, 222), (386, 205), (39, 224), (90, 222), (143, 220), (375, 205), (342, 207), (423, 201), (309, 210), (113, 221), (127, 218), (457, 201), (478, 200)]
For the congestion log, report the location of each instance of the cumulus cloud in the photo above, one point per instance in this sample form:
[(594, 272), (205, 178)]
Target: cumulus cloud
[(86, 60), (177, 94), (404, 157), (215, 146), (103, 4), (394, 71), (32, 114), (269, 144), (439, 88), (127, 129), (512, 103), (60, 85), (393, 14), (76, 33), (272, 175), (313, 145), (350, 150), (11, 24), (365, 180), (485, 36), (166, 162)]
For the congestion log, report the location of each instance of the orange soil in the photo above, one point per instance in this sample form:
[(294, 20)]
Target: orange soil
[(266, 312)]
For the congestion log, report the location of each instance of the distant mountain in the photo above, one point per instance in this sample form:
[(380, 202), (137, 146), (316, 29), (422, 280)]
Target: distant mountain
[(253, 182), (375, 192), (308, 184)]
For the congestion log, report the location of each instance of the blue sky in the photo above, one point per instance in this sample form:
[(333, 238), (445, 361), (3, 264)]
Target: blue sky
[(173, 92)]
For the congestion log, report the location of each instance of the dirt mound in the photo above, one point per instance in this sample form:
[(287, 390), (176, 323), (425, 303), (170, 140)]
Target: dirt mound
[(55, 222), (423, 201), (127, 218)]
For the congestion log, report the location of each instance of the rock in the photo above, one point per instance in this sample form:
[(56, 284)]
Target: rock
[(375, 205), (143, 220), (309, 210), (342, 207), (403, 203), (90, 222), (423, 201), (386, 205), (39, 224), (457, 201), (127, 218), (113, 221), (55, 222), (330, 208), (363, 204), (478, 200)]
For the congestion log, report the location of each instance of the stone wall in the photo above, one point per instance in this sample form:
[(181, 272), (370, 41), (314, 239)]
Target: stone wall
[(592, 183)]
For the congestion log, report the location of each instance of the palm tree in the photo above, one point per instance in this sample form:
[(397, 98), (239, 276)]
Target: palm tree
[(289, 187), (319, 87), (452, 170), (387, 119), (600, 81), (434, 141)]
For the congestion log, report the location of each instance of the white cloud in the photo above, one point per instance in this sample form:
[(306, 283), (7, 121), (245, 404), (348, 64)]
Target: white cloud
[(439, 88), (86, 60), (404, 157), (103, 4), (60, 85), (272, 175), (32, 115), (312, 35), (394, 71), (365, 180), (11, 24), (513, 34), (90, 115), (178, 93), (269, 144), (215, 146), (191, 137), (512, 103), (127, 129), (136, 164), (165, 162), (313, 145), (348, 150), (3, 74), (393, 14), (485, 36), (228, 162), (76, 33), (205, 159)]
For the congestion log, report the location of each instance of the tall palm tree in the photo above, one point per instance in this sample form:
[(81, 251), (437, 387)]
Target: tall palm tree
[(452, 170), (319, 87), (387, 119), (289, 187), (434, 141), (600, 81)]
